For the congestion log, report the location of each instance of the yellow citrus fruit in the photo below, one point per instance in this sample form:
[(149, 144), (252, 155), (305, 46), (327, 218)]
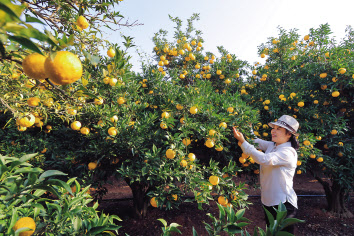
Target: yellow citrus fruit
[(183, 163), (92, 165), (219, 148), (63, 67), (313, 156), (179, 107), (112, 131), (72, 112), (315, 102), (121, 100), (323, 75), (33, 102), (182, 120), (242, 160), (98, 101), (114, 118), (334, 132), (111, 52), (306, 142), (170, 154), (223, 124), (209, 143), (153, 202), (230, 109), (175, 197), (256, 172), (212, 132), (299, 163), (342, 70), (327, 54), (193, 110), (33, 66), (335, 94), (25, 222), (82, 22), (214, 180), (85, 130), (186, 141), (340, 154), (301, 104), (76, 125), (26, 120), (165, 115), (191, 156), (298, 172), (320, 159), (223, 200), (163, 125)]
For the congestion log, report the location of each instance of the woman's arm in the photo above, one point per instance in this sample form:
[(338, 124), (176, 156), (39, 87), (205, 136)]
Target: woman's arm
[(263, 145), (283, 157)]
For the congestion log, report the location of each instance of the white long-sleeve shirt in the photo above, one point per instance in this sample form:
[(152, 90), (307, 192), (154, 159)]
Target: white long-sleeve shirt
[(277, 170)]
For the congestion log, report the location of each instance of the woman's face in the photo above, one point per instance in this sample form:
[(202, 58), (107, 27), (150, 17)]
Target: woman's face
[(279, 135)]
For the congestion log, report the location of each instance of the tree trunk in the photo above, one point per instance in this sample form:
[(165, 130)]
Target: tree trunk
[(140, 199), (335, 195)]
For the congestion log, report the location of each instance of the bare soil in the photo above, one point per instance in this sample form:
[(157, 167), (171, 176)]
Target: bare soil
[(311, 202)]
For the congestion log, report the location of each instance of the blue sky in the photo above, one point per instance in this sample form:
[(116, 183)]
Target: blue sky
[(238, 25)]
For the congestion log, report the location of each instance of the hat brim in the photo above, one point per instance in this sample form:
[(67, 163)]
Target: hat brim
[(271, 124)]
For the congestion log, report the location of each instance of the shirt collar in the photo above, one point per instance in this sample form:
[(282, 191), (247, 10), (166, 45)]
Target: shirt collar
[(287, 144)]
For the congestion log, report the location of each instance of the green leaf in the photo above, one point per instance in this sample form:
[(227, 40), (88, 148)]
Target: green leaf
[(77, 223), (27, 157), (194, 232), (13, 220), (221, 212), (60, 183), (240, 213), (33, 19), (163, 222), (11, 9), (233, 229), (25, 42), (50, 173), (283, 233), (97, 230)]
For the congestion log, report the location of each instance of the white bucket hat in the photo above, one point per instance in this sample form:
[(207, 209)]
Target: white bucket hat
[(287, 122)]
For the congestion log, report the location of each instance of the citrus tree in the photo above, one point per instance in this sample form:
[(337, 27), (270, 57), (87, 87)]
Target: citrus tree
[(91, 117), (310, 78)]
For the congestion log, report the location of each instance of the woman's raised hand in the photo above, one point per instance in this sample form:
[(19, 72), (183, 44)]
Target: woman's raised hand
[(238, 135)]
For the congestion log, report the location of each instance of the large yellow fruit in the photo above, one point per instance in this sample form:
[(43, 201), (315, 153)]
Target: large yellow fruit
[(63, 67), (82, 22), (112, 131), (186, 141), (223, 200), (76, 125), (214, 180), (111, 52), (33, 66), (25, 222), (33, 101), (153, 202), (209, 143), (170, 154), (26, 120), (92, 165)]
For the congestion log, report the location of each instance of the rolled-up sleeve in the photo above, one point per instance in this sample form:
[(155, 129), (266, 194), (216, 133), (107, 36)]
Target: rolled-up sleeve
[(282, 157)]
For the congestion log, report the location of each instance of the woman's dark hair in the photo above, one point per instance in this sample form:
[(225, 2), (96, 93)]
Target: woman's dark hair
[(293, 140)]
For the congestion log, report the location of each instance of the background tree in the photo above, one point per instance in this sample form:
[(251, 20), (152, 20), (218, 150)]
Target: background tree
[(312, 80)]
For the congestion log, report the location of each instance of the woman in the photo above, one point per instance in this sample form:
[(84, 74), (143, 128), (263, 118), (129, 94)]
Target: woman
[(277, 165)]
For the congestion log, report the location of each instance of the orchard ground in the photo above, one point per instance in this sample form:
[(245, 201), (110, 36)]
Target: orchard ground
[(311, 209)]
